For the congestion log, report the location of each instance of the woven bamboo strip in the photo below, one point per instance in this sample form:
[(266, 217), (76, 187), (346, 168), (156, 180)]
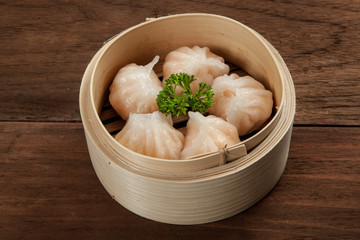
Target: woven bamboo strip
[(196, 190)]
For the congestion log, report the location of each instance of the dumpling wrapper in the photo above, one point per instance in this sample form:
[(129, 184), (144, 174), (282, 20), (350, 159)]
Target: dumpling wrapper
[(197, 61), (135, 89), (151, 134), (242, 101), (207, 134)]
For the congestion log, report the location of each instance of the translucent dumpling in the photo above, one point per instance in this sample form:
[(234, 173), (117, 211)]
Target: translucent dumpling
[(200, 62), (151, 134), (207, 134), (134, 89), (242, 101)]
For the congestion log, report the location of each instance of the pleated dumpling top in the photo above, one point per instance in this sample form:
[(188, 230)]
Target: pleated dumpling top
[(242, 101), (151, 134), (135, 89), (207, 134), (197, 61)]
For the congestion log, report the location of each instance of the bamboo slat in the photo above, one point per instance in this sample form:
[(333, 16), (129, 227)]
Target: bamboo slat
[(196, 190)]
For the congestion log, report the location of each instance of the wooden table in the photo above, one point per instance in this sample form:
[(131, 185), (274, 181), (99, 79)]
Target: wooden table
[(48, 188)]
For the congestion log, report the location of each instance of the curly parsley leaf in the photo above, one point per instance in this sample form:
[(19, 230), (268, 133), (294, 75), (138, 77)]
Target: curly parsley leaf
[(171, 103)]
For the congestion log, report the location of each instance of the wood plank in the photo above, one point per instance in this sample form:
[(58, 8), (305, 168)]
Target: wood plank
[(46, 46), (48, 189)]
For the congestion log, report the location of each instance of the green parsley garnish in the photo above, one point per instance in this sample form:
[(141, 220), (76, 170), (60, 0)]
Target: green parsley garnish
[(171, 103)]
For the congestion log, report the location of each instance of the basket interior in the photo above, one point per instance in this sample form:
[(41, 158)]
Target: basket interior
[(114, 123), (243, 50)]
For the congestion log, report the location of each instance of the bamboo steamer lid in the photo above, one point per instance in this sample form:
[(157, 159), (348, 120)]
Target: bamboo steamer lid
[(201, 189)]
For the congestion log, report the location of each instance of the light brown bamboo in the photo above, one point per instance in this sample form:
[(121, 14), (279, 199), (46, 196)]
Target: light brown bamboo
[(196, 190)]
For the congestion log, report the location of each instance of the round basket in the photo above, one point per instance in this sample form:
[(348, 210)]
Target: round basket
[(201, 189)]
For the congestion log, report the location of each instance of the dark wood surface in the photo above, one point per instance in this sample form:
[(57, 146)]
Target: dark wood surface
[(48, 188)]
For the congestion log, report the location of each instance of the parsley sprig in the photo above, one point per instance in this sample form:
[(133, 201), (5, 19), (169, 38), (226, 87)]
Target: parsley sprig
[(171, 103)]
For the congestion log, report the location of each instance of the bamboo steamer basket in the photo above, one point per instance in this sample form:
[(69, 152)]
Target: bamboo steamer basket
[(205, 188)]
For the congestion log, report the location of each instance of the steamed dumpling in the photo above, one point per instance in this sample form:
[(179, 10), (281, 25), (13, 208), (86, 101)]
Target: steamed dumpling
[(242, 101), (135, 89), (207, 134), (200, 62), (151, 134)]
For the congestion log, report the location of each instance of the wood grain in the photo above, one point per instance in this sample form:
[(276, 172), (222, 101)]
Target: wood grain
[(48, 186), (46, 46)]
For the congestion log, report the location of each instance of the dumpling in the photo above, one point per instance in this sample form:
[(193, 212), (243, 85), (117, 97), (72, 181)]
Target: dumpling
[(134, 89), (200, 62), (207, 134), (242, 101), (151, 134)]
